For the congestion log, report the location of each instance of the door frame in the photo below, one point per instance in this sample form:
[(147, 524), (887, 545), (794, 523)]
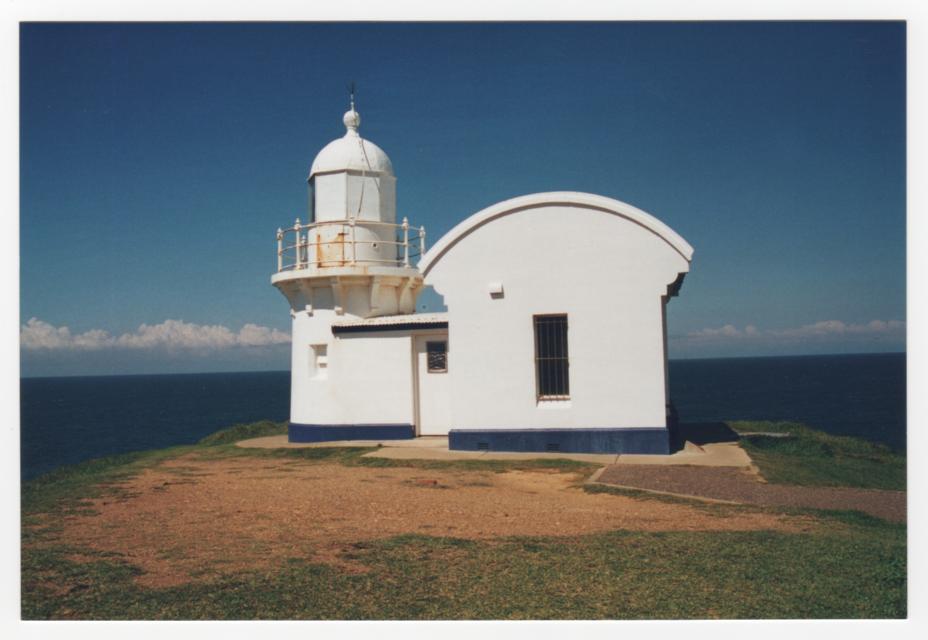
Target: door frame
[(416, 395)]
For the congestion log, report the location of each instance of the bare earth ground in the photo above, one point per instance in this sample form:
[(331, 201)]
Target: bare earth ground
[(191, 519), (741, 486)]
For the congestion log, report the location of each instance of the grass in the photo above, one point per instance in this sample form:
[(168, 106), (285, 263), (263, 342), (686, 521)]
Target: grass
[(238, 432), (641, 494), (813, 458), (852, 571), (68, 489), (849, 566)]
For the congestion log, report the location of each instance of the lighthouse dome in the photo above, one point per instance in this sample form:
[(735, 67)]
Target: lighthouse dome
[(351, 152)]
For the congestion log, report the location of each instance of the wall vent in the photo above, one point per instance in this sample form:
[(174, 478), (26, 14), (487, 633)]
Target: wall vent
[(483, 446), (553, 446)]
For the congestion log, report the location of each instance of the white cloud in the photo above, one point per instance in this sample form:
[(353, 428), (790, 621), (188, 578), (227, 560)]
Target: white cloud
[(838, 328), (170, 335), (729, 331), (36, 334), (823, 330)]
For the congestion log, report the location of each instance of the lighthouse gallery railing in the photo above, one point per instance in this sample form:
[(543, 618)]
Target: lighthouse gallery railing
[(295, 248)]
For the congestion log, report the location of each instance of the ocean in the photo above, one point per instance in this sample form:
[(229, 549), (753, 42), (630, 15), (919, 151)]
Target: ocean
[(69, 420)]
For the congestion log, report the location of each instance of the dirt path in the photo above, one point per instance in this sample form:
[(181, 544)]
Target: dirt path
[(741, 486), (190, 519)]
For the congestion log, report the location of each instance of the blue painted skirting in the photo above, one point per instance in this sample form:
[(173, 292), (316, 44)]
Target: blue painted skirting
[(328, 432), (605, 440)]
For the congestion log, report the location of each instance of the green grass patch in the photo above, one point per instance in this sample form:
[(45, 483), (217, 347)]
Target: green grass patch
[(813, 458), (238, 432), (852, 571), (852, 566)]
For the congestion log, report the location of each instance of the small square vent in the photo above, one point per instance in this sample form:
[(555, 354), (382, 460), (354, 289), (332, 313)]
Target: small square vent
[(483, 446), (553, 446)]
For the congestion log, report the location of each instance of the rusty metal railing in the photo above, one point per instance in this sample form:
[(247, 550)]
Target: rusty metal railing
[(296, 245)]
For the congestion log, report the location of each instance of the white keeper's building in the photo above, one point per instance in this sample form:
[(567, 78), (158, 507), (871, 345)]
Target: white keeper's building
[(555, 338)]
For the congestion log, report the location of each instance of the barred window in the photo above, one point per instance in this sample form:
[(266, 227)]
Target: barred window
[(437, 356), (551, 362)]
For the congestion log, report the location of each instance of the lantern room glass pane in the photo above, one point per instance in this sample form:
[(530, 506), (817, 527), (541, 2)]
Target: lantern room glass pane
[(312, 200)]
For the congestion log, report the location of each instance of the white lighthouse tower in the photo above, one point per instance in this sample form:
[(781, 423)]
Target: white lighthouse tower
[(348, 261), (524, 359)]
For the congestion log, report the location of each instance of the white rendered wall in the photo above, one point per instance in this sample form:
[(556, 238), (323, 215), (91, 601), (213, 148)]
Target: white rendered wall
[(368, 378), (372, 379), (311, 398), (606, 272)]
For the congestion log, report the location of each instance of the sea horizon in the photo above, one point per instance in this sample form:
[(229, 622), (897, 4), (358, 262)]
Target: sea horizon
[(232, 371), (69, 419)]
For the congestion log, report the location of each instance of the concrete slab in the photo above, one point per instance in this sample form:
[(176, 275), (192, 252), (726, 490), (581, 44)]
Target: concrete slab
[(410, 453), (397, 453), (422, 442), (280, 442), (723, 454), (596, 458), (436, 448)]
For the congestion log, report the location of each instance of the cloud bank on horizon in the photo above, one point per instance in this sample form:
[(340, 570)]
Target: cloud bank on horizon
[(886, 335), (170, 335), (177, 335)]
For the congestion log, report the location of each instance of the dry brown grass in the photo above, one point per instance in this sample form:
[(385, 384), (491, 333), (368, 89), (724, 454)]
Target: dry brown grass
[(190, 519)]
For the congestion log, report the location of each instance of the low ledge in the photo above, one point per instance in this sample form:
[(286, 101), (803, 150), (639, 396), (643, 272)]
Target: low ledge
[(363, 269), (647, 440), (329, 432)]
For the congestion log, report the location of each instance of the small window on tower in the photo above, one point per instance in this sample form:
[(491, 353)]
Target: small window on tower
[(320, 360), (437, 356)]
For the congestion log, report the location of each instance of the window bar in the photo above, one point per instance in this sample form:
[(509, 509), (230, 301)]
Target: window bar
[(552, 372), (566, 362), (552, 362), (555, 327), (555, 336), (537, 370), (555, 362)]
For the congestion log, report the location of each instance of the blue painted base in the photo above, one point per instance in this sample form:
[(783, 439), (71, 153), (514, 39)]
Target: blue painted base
[(328, 432), (654, 440)]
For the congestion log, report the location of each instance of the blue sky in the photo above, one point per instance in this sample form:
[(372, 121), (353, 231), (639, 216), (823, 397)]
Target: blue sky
[(158, 160)]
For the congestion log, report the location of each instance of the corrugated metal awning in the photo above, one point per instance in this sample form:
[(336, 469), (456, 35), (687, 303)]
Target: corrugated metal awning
[(393, 323)]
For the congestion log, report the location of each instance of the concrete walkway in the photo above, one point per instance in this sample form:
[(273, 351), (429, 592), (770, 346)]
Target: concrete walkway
[(737, 486), (724, 454)]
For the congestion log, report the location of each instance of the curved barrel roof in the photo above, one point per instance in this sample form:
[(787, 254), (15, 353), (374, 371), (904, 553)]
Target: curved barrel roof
[(521, 203)]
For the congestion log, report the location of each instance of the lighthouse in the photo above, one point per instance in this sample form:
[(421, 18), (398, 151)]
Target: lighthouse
[(347, 260), (554, 338)]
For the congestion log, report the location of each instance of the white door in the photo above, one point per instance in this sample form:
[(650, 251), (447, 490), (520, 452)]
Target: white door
[(432, 365)]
